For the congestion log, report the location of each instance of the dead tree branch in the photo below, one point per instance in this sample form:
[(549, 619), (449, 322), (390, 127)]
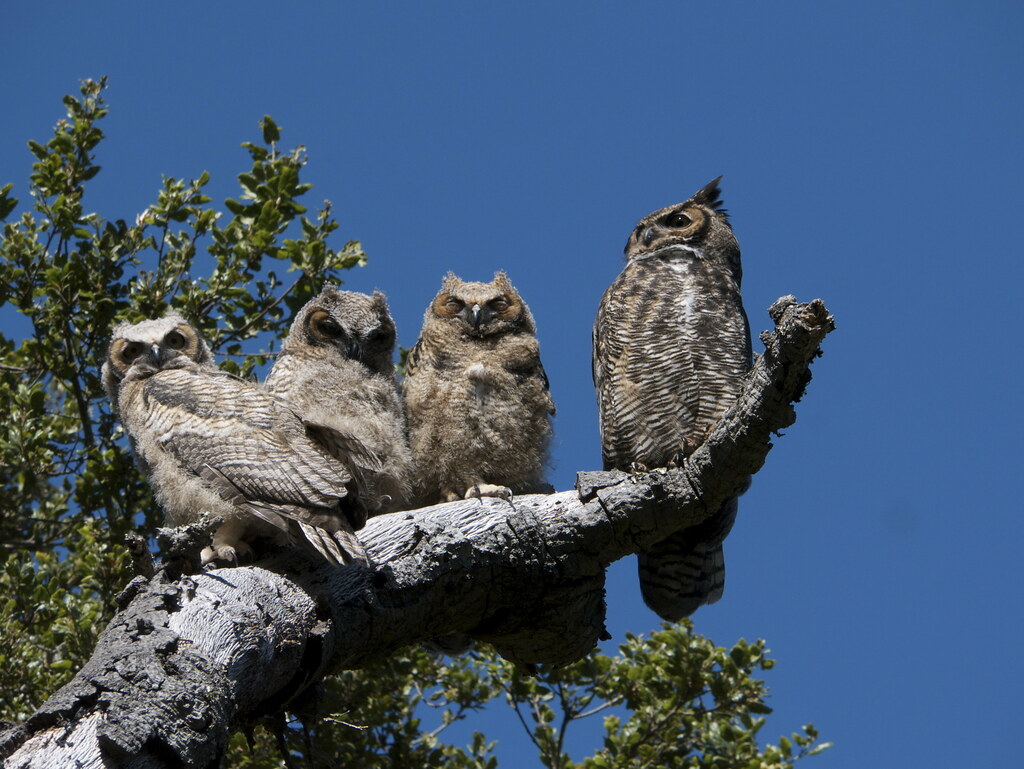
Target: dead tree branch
[(185, 660)]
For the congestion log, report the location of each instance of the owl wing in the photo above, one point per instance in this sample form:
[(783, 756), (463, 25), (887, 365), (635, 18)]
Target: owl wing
[(253, 449), (528, 367), (644, 374), (619, 396), (412, 360), (419, 357), (547, 386), (350, 451), (597, 363)]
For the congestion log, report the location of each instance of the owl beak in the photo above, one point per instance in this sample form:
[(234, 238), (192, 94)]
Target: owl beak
[(156, 355), (353, 350), (475, 321)]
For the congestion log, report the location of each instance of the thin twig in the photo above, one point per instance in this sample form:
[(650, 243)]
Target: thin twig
[(236, 335)]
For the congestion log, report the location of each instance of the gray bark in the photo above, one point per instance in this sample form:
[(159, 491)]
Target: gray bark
[(187, 659)]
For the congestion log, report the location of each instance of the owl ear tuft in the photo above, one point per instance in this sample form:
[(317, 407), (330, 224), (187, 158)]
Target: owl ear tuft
[(379, 301), (709, 195), (451, 282), (502, 282), (328, 290), (174, 315)]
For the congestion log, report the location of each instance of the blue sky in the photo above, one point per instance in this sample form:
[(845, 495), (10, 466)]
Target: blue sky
[(871, 155)]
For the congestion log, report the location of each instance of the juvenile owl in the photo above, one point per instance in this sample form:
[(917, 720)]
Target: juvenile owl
[(671, 351), (477, 396), (210, 442), (336, 366)]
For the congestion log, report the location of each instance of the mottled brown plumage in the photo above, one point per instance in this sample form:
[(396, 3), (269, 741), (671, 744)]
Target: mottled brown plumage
[(671, 350), (336, 366), (211, 443), (476, 395)]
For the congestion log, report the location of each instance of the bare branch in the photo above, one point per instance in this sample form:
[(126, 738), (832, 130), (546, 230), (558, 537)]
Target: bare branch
[(185, 660)]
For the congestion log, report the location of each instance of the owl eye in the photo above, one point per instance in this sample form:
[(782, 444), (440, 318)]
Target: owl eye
[(499, 305), (322, 326), (175, 340), (679, 219), (379, 336), (454, 304), (329, 328), (131, 351)]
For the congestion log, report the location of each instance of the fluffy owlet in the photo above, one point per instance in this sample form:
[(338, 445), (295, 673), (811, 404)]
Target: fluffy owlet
[(337, 368), (671, 351), (210, 442), (477, 396)]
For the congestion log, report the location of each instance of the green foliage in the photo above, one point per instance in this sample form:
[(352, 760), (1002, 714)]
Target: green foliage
[(681, 702), (69, 490), (72, 274), (671, 700), (51, 612)]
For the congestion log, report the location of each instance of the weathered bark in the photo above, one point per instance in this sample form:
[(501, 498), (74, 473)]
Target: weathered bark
[(185, 660)]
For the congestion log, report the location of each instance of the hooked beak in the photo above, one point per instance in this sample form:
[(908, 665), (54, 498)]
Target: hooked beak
[(473, 315), (353, 351)]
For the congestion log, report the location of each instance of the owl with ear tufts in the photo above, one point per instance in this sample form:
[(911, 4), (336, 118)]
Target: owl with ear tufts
[(211, 443), (476, 395), (671, 352), (336, 366)]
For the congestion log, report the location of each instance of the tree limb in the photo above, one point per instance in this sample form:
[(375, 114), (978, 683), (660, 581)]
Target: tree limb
[(186, 660)]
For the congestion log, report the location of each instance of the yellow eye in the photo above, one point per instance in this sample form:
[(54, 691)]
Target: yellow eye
[(324, 326), (131, 351), (329, 328), (679, 220), (175, 340)]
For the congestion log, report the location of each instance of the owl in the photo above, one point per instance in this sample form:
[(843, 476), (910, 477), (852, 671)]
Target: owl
[(210, 442), (476, 395), (336, 367), (671, 352)]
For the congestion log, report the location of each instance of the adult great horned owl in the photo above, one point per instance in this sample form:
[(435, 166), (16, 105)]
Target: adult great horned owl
[(336, 366), (671, 351), (476, 395), (210, 442)]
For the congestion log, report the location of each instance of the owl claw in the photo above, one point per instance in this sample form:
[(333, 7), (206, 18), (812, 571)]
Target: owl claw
[(229, 554), (687, 449), (637, 467), (481, 490), (224, 553)]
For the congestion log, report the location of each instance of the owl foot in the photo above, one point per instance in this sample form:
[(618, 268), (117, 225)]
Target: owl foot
[(688, 447), (677, 459), (229, 554), (224, 553), (637, 467), (481, 490)]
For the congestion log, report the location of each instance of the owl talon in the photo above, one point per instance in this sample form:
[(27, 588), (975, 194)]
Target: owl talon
[(223, 553), (481, 490), (637, 467), (232, 554)]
